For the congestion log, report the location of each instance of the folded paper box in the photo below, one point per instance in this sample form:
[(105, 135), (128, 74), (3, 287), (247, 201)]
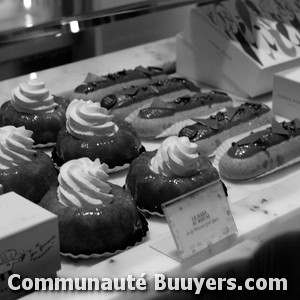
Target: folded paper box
[(29, 242), (247, 42), (194, 65), (286, 93)]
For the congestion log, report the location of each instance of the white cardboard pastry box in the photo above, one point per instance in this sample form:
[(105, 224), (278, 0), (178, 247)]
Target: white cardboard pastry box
[(29, 242), (286, 93), (191, 63), (247, 41)]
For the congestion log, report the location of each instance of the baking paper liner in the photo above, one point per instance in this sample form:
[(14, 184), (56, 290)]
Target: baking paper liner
[(41, 146), (151, 213), (222, 150), (140, 239), (117, 169)]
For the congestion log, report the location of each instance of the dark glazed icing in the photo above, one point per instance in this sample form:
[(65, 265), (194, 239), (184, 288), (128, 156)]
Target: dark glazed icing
[(31, 179), (150, 190), (117, 77), (264, 139), (45, 127), (116, 150), (233, 116), (97, 229), (135, 94), (183, 103)]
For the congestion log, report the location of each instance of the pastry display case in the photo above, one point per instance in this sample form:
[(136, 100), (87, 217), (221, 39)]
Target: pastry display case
[(262, 209)]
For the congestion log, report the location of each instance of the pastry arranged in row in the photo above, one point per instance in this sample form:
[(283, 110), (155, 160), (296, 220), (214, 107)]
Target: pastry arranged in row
[(210, 133), (24, 170), (125, 102), (91, 132), (162, 119), (34, 107), (262, 152), (96, 87), (171, 171), (95, 216)]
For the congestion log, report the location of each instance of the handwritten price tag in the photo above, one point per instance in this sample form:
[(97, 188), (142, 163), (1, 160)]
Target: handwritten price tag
[(199, 219)]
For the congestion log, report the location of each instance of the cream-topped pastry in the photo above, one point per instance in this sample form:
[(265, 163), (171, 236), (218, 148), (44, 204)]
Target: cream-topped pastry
[(33, 97), (15, 146), (172, 170), (83, 182), (23, 170), (91, 132), (176, 156), (95, 216), (32, 106), (87, 119)]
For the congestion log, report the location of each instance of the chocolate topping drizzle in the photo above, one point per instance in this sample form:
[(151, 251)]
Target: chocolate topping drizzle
[(149, 71), (94, 82), (212, 123), (157, 110), (134, 94), (231, 111), (264, 139), (223, 120)]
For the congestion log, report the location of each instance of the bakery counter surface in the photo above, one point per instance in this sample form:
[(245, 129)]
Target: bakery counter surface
[(261, 208)]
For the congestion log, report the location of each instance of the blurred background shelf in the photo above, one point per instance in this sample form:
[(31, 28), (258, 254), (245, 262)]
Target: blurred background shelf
[(40, 34)]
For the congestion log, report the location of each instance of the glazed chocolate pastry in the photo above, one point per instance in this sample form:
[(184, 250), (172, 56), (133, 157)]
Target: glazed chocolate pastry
[(34, 107), (126, 102), (262, 151), (23, 170), (211, 132), (96, 87), (164, 119), (174, 169), (91, 132), (94, 215)]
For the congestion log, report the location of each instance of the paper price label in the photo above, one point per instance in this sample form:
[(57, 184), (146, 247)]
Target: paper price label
[(199, 219)]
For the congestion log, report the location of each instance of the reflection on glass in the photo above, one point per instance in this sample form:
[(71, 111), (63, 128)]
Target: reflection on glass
[(28, 20), (74, 26), (27, 4)]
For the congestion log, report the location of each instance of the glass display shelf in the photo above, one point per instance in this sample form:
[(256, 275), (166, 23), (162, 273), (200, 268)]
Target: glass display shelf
[(28, 19)]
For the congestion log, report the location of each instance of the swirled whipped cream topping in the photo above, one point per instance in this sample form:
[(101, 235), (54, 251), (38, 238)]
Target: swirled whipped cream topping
[(87, 119), (84, 182), (15, 146), (176, 157), (33, 97)]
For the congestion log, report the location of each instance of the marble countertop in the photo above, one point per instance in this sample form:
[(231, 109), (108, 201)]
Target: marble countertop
[(261, 208)]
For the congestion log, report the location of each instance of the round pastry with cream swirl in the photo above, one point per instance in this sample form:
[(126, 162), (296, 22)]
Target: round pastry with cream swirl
[(34, 107), (172, 170), (91, 132), (21, 167), (95, 216)]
